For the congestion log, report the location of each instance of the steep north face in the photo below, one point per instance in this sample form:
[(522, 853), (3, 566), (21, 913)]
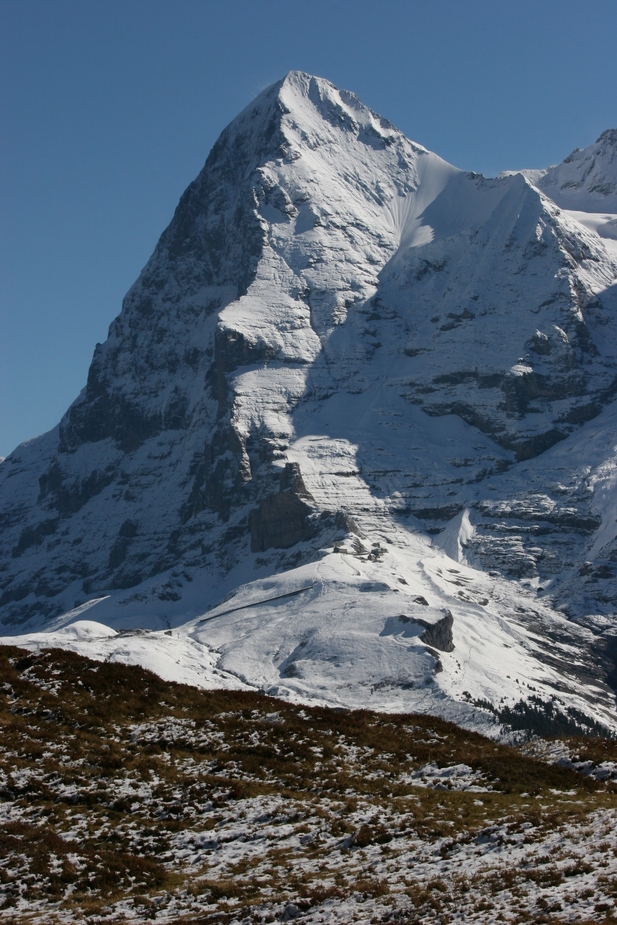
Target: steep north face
[(342, 346)]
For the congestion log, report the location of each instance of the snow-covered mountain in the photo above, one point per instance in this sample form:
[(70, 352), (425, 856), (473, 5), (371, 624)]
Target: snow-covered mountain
[(585, 184), (349, 440), (587, 179)]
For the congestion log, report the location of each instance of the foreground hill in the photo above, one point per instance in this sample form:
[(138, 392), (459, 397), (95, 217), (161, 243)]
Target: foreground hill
[(126, 797)]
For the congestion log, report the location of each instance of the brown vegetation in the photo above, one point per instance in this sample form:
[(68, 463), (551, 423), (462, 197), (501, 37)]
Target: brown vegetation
[(121, 791)]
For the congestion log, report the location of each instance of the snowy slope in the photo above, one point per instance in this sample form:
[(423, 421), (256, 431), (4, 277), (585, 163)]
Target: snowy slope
[(587, 179), (350, 630), (604, 224), (345, 362), (584, 185)]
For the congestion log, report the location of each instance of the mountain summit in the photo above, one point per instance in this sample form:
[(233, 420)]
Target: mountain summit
[(348, 439)]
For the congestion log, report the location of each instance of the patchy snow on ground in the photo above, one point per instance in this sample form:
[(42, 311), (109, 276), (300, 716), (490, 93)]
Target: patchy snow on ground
[(123, 797)]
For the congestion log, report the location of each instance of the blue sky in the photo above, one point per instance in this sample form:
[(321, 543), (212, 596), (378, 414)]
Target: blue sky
[(108, 110)]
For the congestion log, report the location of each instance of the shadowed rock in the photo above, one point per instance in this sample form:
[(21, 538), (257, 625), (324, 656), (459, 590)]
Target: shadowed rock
[(282, 520), (438, 634)]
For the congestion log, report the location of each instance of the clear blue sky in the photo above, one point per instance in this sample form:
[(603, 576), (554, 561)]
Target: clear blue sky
[(108, 109)]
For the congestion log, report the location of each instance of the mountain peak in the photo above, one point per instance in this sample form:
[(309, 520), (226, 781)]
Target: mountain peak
[(342, 347), (303, 101), (586, 180), (609, 136), (308, 100)]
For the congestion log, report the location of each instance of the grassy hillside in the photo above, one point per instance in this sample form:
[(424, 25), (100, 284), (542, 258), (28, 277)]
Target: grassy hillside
[(124, 797)]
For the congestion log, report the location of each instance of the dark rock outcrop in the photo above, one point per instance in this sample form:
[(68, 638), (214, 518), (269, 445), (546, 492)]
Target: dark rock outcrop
[(438, 635), (283, 519)]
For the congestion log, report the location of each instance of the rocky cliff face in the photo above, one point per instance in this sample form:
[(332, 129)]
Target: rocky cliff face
[(158, 462), (340, 342)]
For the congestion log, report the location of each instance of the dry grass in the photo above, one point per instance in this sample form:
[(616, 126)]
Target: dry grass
[(123, 792)]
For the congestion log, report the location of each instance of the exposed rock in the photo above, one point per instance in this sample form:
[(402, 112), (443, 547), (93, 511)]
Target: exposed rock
[(344, 522), (283, 519), (34, 536), (439, 634)]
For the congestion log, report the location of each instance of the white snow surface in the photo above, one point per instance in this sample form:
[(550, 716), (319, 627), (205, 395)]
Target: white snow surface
[(342, 631), (604, 224), (167, 654), (584, 185), (587, 179)]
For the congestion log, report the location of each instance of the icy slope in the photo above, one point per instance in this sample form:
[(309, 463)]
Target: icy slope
[(551, 522), (339, 341)]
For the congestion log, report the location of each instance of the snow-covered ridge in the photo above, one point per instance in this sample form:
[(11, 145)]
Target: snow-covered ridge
[(585, 186), (587, 179), (345, 362)]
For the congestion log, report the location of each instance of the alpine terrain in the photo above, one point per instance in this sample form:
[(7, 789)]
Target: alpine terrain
[(351, 440)]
